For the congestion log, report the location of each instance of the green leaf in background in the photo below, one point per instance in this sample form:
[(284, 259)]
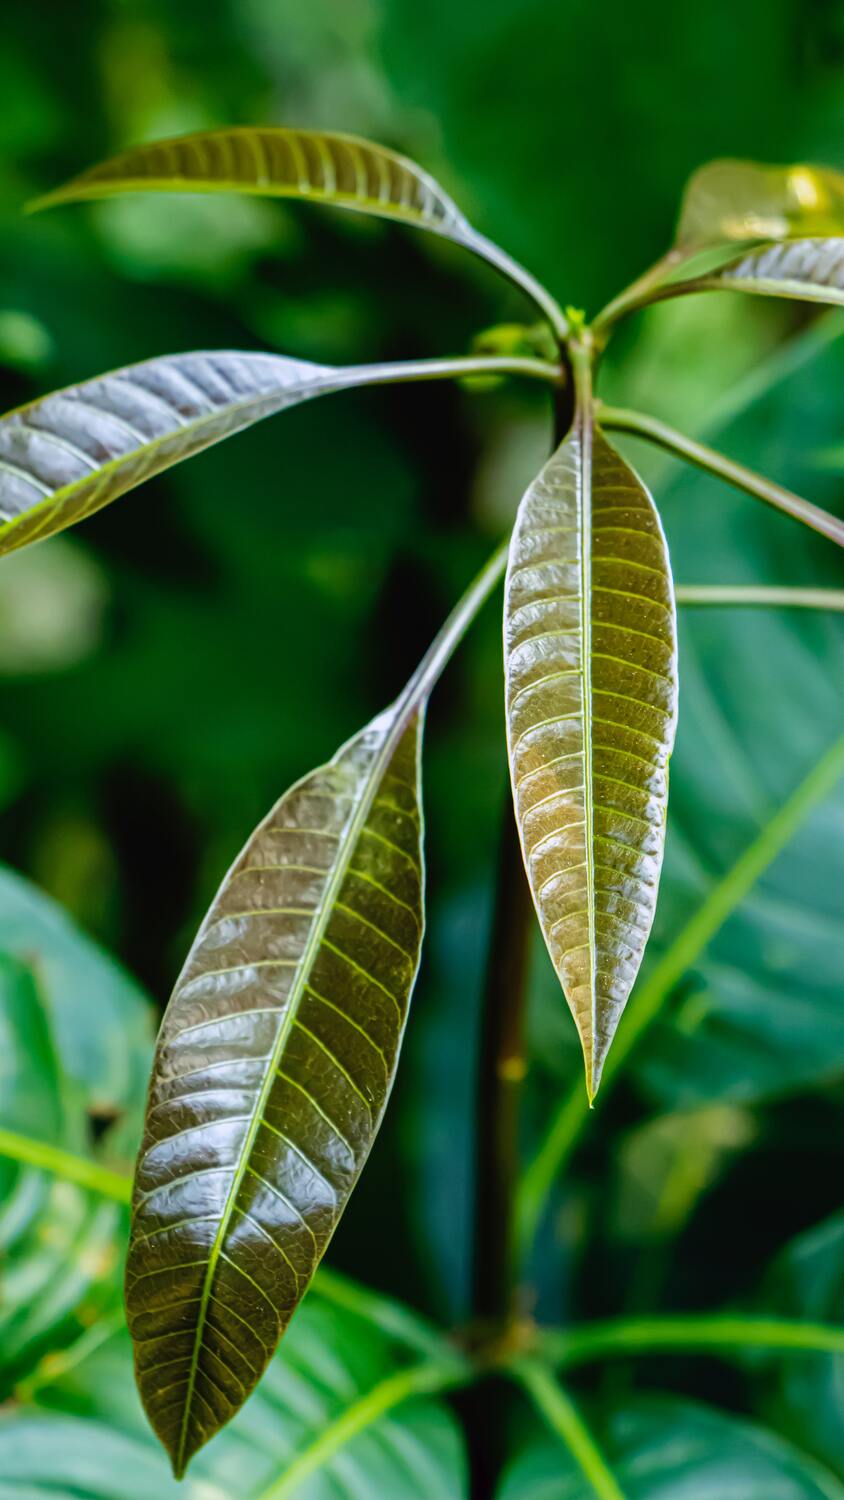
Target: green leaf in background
[(272, 1071), (316, 166), (591, 685), (75, 1042), (666, 1449), (804, 1402), (745, 200), (343, 1409)]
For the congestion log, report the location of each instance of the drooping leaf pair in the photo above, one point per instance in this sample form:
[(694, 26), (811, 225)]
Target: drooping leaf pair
[(280, 1043)]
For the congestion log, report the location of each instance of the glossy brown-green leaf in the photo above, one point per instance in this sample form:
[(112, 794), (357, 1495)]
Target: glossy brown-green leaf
[(743, 200), (70, 453), (272, 1070), (591, 694), (808, 270), (317, 166)]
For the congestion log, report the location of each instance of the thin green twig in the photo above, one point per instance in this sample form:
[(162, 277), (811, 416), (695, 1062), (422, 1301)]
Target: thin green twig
[(562, 1416)]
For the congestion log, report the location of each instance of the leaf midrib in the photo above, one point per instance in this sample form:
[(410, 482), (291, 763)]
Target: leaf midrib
[(401, 714), (584, 422)]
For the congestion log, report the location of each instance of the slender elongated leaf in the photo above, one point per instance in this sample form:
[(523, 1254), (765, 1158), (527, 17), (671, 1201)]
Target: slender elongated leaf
[(591, 690), (665, 1449), (318, 166), (743, 200), (78, 1429), (809, 270), (68, 454), (273, 1068)]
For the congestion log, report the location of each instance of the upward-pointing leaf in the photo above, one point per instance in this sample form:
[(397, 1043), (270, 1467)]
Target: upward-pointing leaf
[(745, 200), (591, 692), (272, 1071)]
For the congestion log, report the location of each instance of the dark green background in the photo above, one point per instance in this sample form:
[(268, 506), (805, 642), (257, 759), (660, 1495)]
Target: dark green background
[(169, 669)]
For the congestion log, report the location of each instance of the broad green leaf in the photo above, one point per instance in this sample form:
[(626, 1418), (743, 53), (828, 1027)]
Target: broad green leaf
[(591, 686), (804, 1391), (808, 270), (75, 1041), (743, 200), (660, 1448), (80, 1429), (70, 453), (272, 1071), (317, 166)]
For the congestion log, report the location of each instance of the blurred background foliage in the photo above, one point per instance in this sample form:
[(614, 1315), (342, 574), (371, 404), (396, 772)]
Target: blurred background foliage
[(171, 667)]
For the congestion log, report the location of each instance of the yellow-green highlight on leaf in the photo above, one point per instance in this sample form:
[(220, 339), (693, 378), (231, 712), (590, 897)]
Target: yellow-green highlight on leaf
[(591, 698), (729, 200)]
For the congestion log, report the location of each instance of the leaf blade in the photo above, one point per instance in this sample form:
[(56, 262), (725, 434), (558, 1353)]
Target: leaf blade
[(810, 270), (65, 455), (586, 711), (289, 1198), (729, 200)]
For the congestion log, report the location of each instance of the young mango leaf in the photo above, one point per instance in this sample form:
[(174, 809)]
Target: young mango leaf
[(68, 454), (316, 166), (728, 200), (272, 1071), (591, 697), (808, 270)]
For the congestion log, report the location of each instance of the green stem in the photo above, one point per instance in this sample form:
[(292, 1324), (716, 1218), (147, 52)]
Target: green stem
[(419, 1380), (693, 1333), (64, 1164), (458, 367), (522, 278), (751, 594), (565, 1421), (636, 295), (650, 997), (716, 463)]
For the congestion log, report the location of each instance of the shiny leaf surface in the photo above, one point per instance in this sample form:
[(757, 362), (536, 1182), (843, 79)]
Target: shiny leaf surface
[(808, 270), (744, 200), (316, 166), (273, 1067), (591, 685), (80, 1429), (68, 454), (664, 1449)]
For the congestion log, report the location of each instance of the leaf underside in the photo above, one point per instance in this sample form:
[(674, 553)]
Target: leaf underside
[(744, 200), (273, 1067), (318, 166), (591, 696), (808, 270), (67, 455)]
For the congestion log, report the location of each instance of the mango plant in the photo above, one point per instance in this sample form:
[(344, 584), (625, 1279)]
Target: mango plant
[(279, 1047)]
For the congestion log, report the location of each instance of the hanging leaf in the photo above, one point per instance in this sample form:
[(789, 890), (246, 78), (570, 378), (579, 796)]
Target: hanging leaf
[(809, 270), (67, 455), (591, 694), (745, 200), (272, 1071)]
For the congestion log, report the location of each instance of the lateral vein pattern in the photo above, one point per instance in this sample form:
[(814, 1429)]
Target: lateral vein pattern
[(591, 691), (271, 1074)]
